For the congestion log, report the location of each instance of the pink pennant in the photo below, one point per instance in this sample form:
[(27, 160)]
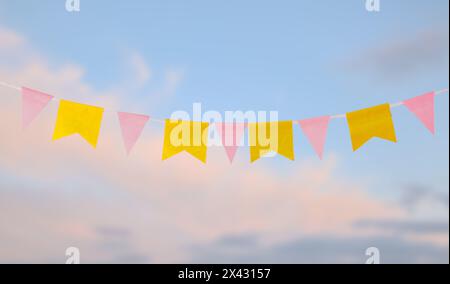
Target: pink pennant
[(33, 102), (423, 108), (231, 134), (132, 126), (316, 130)]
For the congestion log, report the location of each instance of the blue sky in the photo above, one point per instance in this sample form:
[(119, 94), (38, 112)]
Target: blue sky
[(301, 58)]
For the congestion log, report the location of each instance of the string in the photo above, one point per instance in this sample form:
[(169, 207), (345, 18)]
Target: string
[(160, 120)]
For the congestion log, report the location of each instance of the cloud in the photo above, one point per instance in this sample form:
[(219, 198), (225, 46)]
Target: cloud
[(117, 243), (324, 250), (10, 40), (165, 92), (402, 56), (241, 241), (141, 71), (406, 227), (38, 225), (415, 195), (143, 89)]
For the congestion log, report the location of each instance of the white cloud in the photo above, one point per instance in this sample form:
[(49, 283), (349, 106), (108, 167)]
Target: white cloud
[(141, 71), (10, 40)]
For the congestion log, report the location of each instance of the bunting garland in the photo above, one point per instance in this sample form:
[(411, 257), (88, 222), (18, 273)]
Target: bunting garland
[(192, 137)]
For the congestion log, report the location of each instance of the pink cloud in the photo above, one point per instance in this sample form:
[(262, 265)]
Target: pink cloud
[(9, 40)]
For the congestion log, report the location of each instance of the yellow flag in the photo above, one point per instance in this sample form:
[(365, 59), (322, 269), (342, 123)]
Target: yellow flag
[(75, 118), (269, 137), (369, 123), (188, 136)]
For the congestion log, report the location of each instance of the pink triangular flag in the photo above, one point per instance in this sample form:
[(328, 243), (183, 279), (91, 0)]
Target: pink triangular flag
[(423, 108), (231, 134), (316, 130), (33, 102), (132, 126)]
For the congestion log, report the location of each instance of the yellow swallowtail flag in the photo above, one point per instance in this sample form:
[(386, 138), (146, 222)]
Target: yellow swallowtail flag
[(369, 123), (188, 136), (270, 137), (76, 118)]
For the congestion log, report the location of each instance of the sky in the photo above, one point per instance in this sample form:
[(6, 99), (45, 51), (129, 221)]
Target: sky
[(300, 58)]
